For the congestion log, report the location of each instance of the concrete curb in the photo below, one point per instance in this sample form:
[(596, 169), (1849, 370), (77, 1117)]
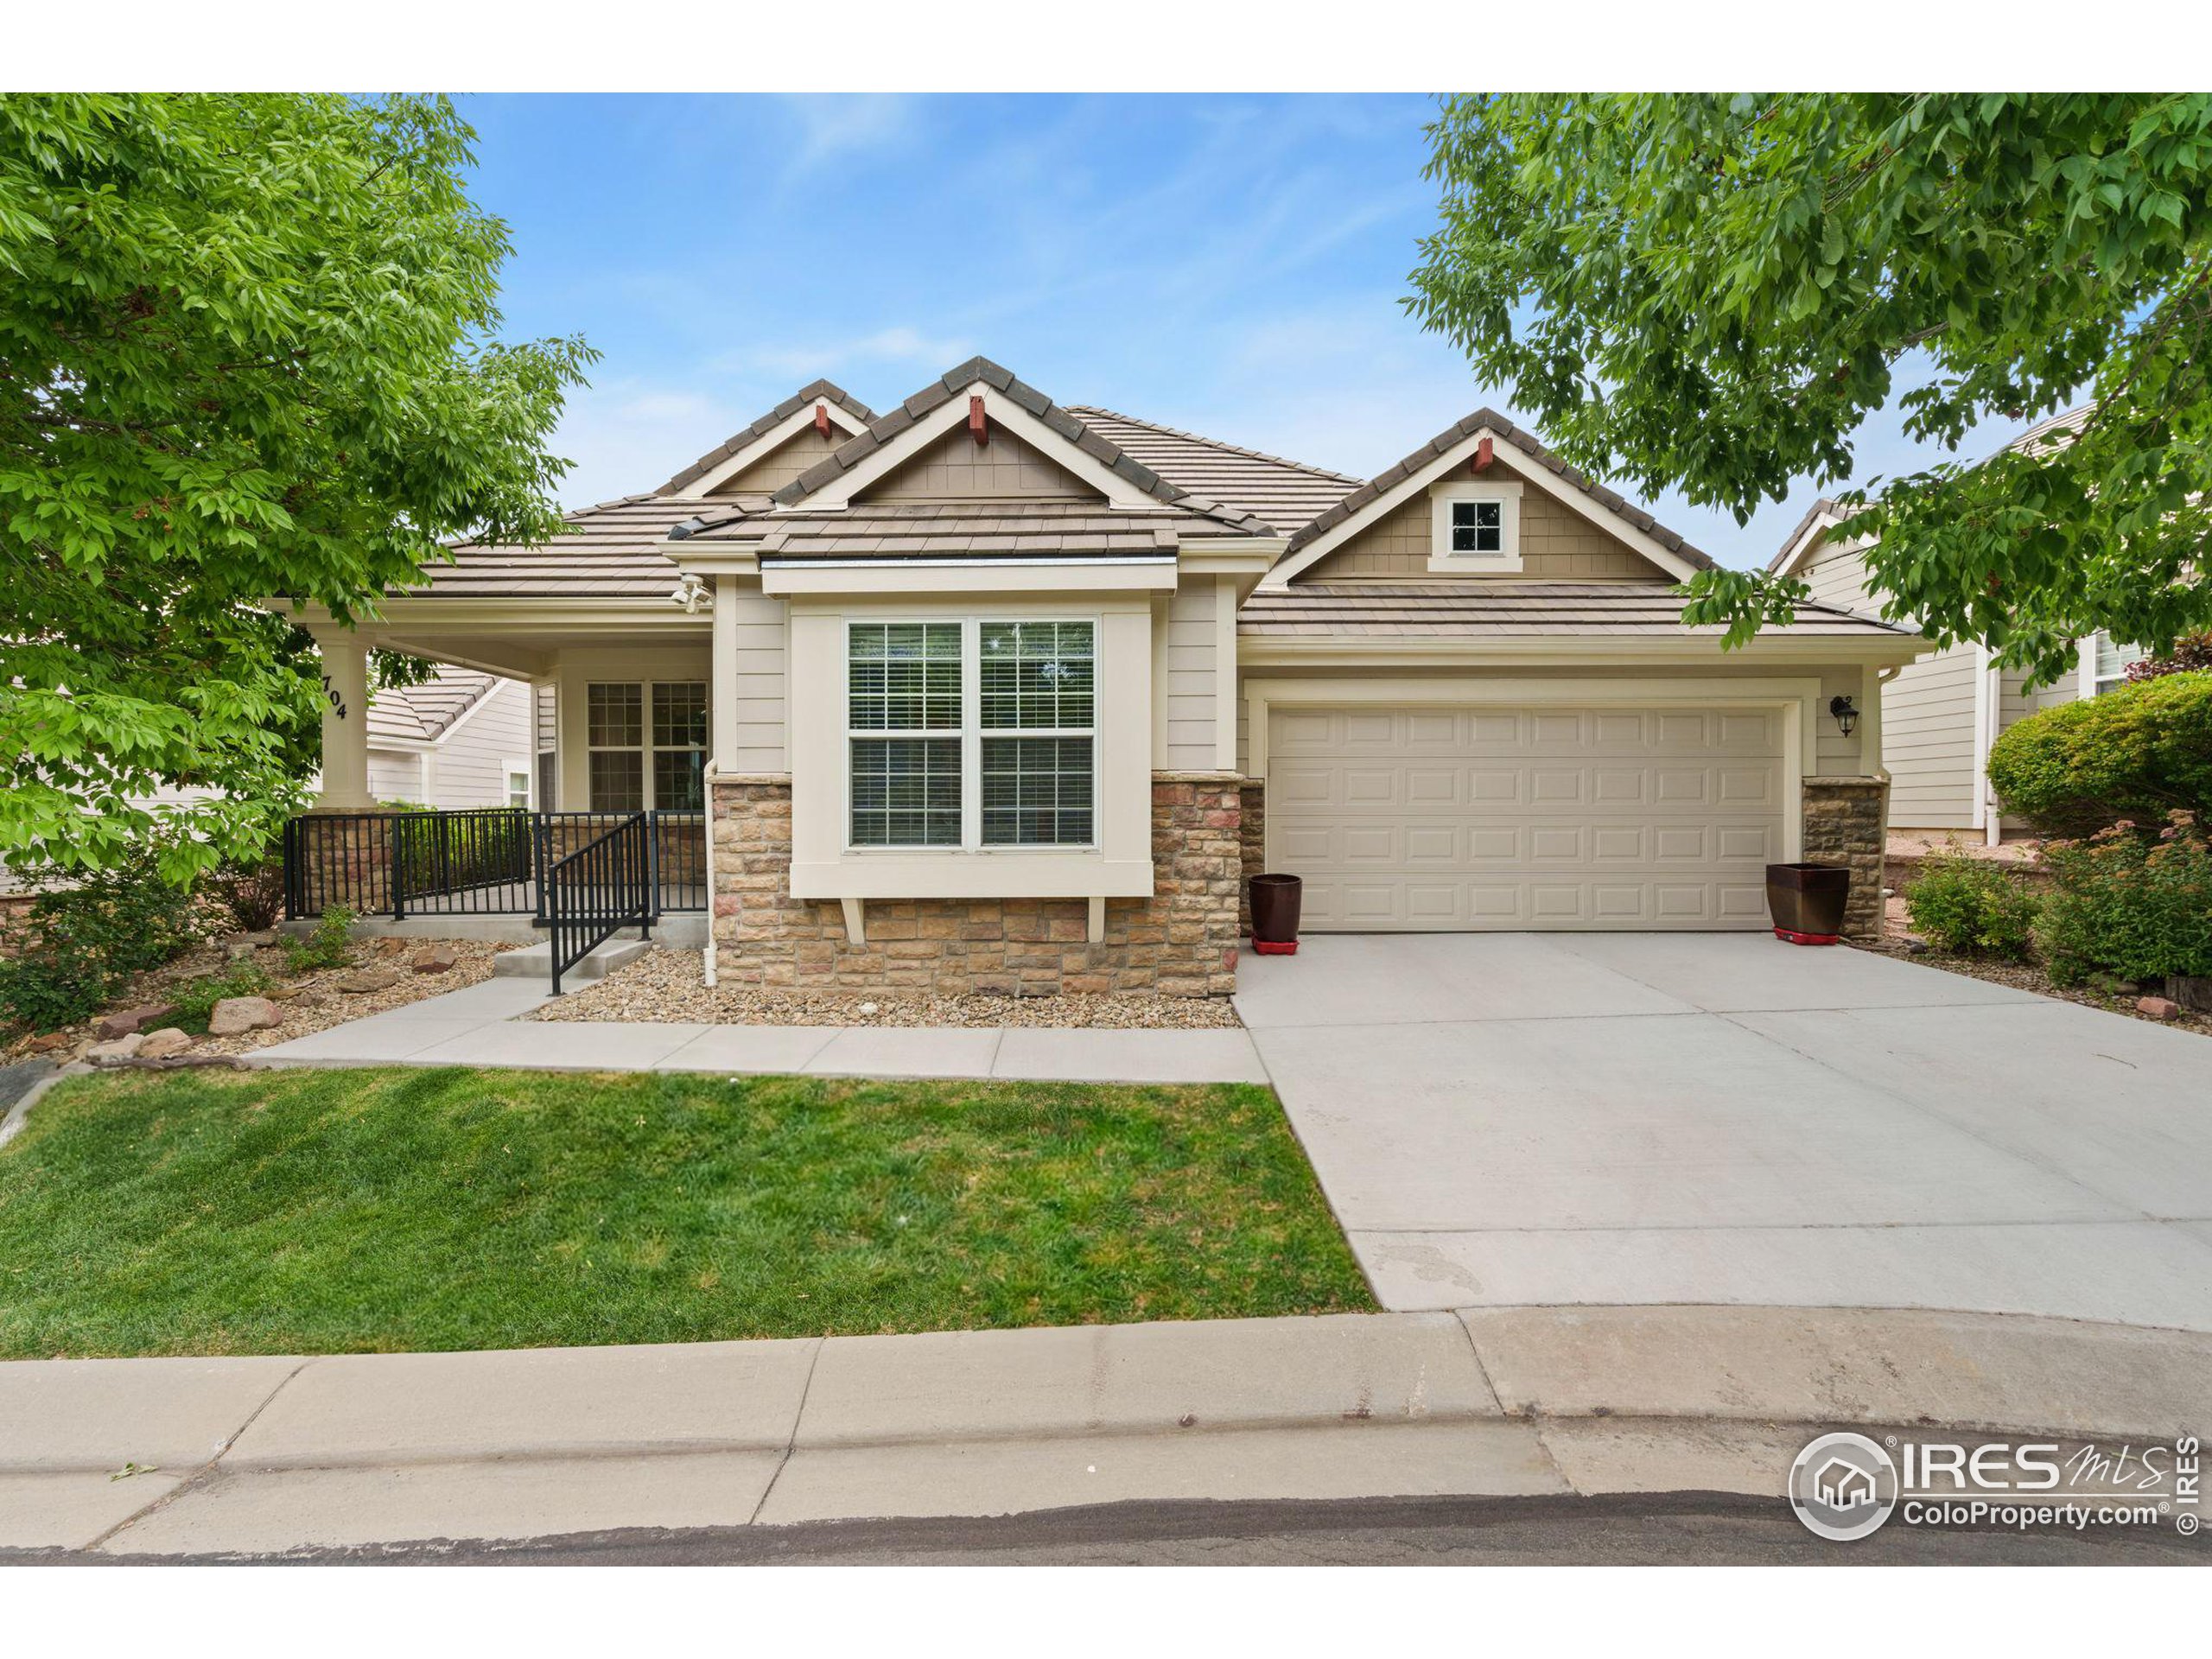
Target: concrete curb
[(264, 1455)]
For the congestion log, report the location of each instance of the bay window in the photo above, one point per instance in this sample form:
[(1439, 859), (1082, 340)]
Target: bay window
[(972, 734)]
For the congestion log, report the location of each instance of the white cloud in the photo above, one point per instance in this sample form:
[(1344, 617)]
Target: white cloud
[(836, 124), (627, 437)]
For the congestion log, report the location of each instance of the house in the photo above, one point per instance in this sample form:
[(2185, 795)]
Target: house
[(461, 739), (1945, 709), (988, 692)]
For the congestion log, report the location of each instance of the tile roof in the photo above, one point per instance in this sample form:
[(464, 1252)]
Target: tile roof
[(616, 549), (946, 387), (818, 391), (423, 713), (963, 530), (2044, 435), (1284, 494), (1498, 610), (1457, 433)]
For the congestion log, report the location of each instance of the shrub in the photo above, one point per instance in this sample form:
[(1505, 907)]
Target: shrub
[(196, 998), (250, 895), (1972, 906), (83, 941), (2192, 654), (328, 946), (2136, 904), (2138, 753)]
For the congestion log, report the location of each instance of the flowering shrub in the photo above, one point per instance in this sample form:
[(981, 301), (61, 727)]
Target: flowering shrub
[(1972, 906), (2137, 904)]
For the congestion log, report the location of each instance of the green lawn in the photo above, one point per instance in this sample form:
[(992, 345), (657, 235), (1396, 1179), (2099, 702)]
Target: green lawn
[(323, 1212)]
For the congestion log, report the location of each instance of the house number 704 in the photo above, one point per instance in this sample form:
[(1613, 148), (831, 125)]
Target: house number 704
[(336, 701)]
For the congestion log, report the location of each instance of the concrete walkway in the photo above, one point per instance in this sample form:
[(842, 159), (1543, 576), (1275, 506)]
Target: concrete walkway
[(160, 1456), (1610, 1118), (481, 1025)]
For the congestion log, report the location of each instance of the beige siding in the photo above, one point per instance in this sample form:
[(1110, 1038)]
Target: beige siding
[(1928, 741), (1190, 689), (396, 775), (957, 469), (782, 464), (1557, 544), (759, 699), (1838, 576), (470, 766)]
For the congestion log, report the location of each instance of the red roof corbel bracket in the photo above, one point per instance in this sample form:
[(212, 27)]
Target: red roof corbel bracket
[(1482, 457), (821, 419), (978, 426)]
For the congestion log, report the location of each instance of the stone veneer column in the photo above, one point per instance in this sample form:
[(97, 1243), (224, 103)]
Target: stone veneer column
[(1846, 822), (1253, 834), (1180, 941)]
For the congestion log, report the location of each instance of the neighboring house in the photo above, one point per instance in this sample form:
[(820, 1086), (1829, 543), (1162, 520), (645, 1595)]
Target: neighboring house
[(461, 739), (1944, 710), (992, 693)]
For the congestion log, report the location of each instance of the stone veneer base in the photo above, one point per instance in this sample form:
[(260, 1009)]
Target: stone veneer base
[(1180, 941), (1846, 822)]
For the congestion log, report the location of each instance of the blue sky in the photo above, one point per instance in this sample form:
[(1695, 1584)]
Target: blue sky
[(1229, 264)]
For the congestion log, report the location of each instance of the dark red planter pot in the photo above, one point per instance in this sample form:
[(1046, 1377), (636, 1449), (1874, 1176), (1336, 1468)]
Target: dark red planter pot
[(1275, 900), (1807, 901)]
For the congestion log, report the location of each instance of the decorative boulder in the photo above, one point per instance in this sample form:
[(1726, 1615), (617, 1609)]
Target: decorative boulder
[(234, 1015), (2157, 1007), (437, 959), (362, 980), (126, 1020), (162, 1044), (123, 1048)]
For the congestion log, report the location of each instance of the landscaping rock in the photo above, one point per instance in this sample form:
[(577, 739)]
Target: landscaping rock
[(2159, 1008), (124, 1021), (162, 1044), (260, 938), (237, 1015), (47, 1041), (123, 1048), (238, 952), (363, 980), (437, 959)]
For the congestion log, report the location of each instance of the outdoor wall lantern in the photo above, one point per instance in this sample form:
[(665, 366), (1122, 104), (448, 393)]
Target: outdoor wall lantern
[(1847, 715)]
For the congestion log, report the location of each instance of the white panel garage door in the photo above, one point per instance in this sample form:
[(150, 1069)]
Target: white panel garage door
[(1443, 818)]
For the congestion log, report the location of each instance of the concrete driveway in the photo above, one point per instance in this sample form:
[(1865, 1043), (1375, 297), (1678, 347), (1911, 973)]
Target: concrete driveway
[(1606, 1118)]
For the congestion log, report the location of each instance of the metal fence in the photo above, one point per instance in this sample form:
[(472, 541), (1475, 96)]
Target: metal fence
[(488, 862), (594, 893)]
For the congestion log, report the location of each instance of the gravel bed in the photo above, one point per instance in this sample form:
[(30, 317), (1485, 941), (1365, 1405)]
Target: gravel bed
[(2028, 976), (310, 1001), (670, 985)]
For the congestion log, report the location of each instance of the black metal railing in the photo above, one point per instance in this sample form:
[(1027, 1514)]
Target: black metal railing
[(480, 862), (594, 893)]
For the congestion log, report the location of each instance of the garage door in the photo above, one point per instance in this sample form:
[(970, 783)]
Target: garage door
[(1440, 818)]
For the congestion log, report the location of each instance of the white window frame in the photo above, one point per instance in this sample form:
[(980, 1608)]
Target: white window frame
[(971, 735), (1443, 495), (2094, 685), (510, 768), (646, 748)]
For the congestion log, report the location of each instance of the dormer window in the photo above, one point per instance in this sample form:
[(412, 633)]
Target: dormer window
[(1476, 526)]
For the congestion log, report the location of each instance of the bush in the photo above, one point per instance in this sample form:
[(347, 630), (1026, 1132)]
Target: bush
[(2136, 904), (250, 895), (2192, 654), (1972, 907), (2138, 753), (328, 946), (85, 941), (196, 998)]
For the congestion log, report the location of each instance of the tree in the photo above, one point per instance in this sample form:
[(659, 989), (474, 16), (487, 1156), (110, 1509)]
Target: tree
[(1712, 293), (247, 351)]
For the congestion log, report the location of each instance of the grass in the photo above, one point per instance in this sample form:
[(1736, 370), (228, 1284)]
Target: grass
[(327, 1211)]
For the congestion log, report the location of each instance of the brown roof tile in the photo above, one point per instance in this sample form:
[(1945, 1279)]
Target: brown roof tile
[(1283, 493)]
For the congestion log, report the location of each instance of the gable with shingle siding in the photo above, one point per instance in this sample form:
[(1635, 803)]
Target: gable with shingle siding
[(1557, 544), (780, 465), (957, 469)]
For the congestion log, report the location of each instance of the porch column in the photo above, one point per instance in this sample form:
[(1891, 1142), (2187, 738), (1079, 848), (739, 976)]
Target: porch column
[(345, 723)]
